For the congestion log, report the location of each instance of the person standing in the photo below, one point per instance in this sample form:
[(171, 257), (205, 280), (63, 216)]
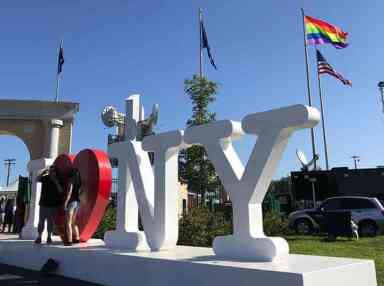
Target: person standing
[(49, 201), (2, 210), (19, 215), (71, 207), (9, 214)]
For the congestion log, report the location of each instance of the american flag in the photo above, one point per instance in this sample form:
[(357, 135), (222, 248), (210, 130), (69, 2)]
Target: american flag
[(324, 67)]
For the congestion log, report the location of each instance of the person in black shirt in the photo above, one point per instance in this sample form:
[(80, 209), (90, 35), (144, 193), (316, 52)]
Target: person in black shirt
[(49, 201), (71, 206), (2, 209), (9, 214)]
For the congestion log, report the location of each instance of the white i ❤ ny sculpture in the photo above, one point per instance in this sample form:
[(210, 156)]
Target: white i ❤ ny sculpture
[(154, 192)]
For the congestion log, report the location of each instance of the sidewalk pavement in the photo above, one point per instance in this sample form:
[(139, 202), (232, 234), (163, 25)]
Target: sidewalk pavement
[(14, 276)]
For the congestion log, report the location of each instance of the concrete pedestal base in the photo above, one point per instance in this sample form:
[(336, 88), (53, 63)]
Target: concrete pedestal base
[(133, 241), (29, 232), (184, 266)]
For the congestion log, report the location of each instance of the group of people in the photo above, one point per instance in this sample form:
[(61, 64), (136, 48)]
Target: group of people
[(56, 192)]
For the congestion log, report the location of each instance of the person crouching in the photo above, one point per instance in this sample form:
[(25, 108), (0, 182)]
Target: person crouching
[(49, 201), (71, 207)]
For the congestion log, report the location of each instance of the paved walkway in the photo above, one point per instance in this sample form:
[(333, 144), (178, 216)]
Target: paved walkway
[(12, 276)]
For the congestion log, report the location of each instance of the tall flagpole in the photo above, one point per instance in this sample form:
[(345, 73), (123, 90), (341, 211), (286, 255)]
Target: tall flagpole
[(57, 72), (322, 121), (201, 44), (308, 87), (57, 87)]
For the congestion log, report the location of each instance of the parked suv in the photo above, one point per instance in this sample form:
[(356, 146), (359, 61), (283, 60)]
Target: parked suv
[(367, 213)]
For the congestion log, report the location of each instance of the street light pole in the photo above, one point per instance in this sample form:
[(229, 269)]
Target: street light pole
[(355, 160), (381, 89), (313, 181), (8, 164)]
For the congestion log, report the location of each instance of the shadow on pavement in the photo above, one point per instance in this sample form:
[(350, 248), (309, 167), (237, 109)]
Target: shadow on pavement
[(11, 276)]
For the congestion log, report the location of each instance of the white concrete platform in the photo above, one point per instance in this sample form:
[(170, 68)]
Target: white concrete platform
[(184, 266)]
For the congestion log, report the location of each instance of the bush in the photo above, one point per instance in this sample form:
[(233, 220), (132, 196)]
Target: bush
[(275, 224), (108, 223), (200, 226)]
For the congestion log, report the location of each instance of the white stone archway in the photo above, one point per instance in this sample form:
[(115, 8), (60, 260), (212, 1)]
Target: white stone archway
[(46, 129), (36, 123)]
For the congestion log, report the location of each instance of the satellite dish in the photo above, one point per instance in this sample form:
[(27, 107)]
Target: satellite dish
[(302, 158), (111, 117)]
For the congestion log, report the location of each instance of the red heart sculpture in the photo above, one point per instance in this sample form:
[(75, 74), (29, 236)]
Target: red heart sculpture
[(96, 182)]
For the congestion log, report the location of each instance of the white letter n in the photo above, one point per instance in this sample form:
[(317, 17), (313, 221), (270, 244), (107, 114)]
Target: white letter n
[(153, 193)]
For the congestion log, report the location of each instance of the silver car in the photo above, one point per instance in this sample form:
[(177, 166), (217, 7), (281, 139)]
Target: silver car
[(367, 213)]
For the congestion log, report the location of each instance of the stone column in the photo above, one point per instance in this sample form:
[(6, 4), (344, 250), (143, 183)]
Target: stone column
[(53, 138), (35, 167)]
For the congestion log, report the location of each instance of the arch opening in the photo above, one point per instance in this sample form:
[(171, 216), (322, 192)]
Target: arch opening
[(12, 147)]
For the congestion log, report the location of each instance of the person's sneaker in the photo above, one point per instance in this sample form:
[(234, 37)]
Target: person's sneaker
[(49, 240), (38, 240), (67, 243), (76, 241)]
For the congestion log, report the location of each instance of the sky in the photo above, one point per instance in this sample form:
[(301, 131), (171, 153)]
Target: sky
[(113, 49)]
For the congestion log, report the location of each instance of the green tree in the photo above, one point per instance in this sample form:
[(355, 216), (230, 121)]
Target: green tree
[(202, 92), (195, 168)]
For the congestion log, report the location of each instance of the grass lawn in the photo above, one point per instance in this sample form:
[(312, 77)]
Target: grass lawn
[(365, 248)]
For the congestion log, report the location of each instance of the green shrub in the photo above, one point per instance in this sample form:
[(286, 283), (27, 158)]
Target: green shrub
[(200, 226), (108, 223), (275, 225)]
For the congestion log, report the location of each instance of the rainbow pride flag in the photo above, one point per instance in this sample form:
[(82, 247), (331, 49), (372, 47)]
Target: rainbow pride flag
[(320, 32)]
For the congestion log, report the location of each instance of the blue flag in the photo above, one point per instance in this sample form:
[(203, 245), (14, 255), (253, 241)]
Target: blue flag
[(60, 59), (204, 41)]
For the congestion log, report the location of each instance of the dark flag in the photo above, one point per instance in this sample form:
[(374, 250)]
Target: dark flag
[(324, 67), (204, 44), (60, 59)]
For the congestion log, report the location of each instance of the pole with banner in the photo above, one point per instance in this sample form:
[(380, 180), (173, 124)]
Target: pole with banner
[(322, 121), (308, 86), (201, 44), (60, 62)]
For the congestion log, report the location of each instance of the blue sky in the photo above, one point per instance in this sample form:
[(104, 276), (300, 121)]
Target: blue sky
[(117, 48)]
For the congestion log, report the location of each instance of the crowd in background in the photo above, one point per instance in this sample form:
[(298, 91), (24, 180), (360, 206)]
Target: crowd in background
[(12, 215)]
